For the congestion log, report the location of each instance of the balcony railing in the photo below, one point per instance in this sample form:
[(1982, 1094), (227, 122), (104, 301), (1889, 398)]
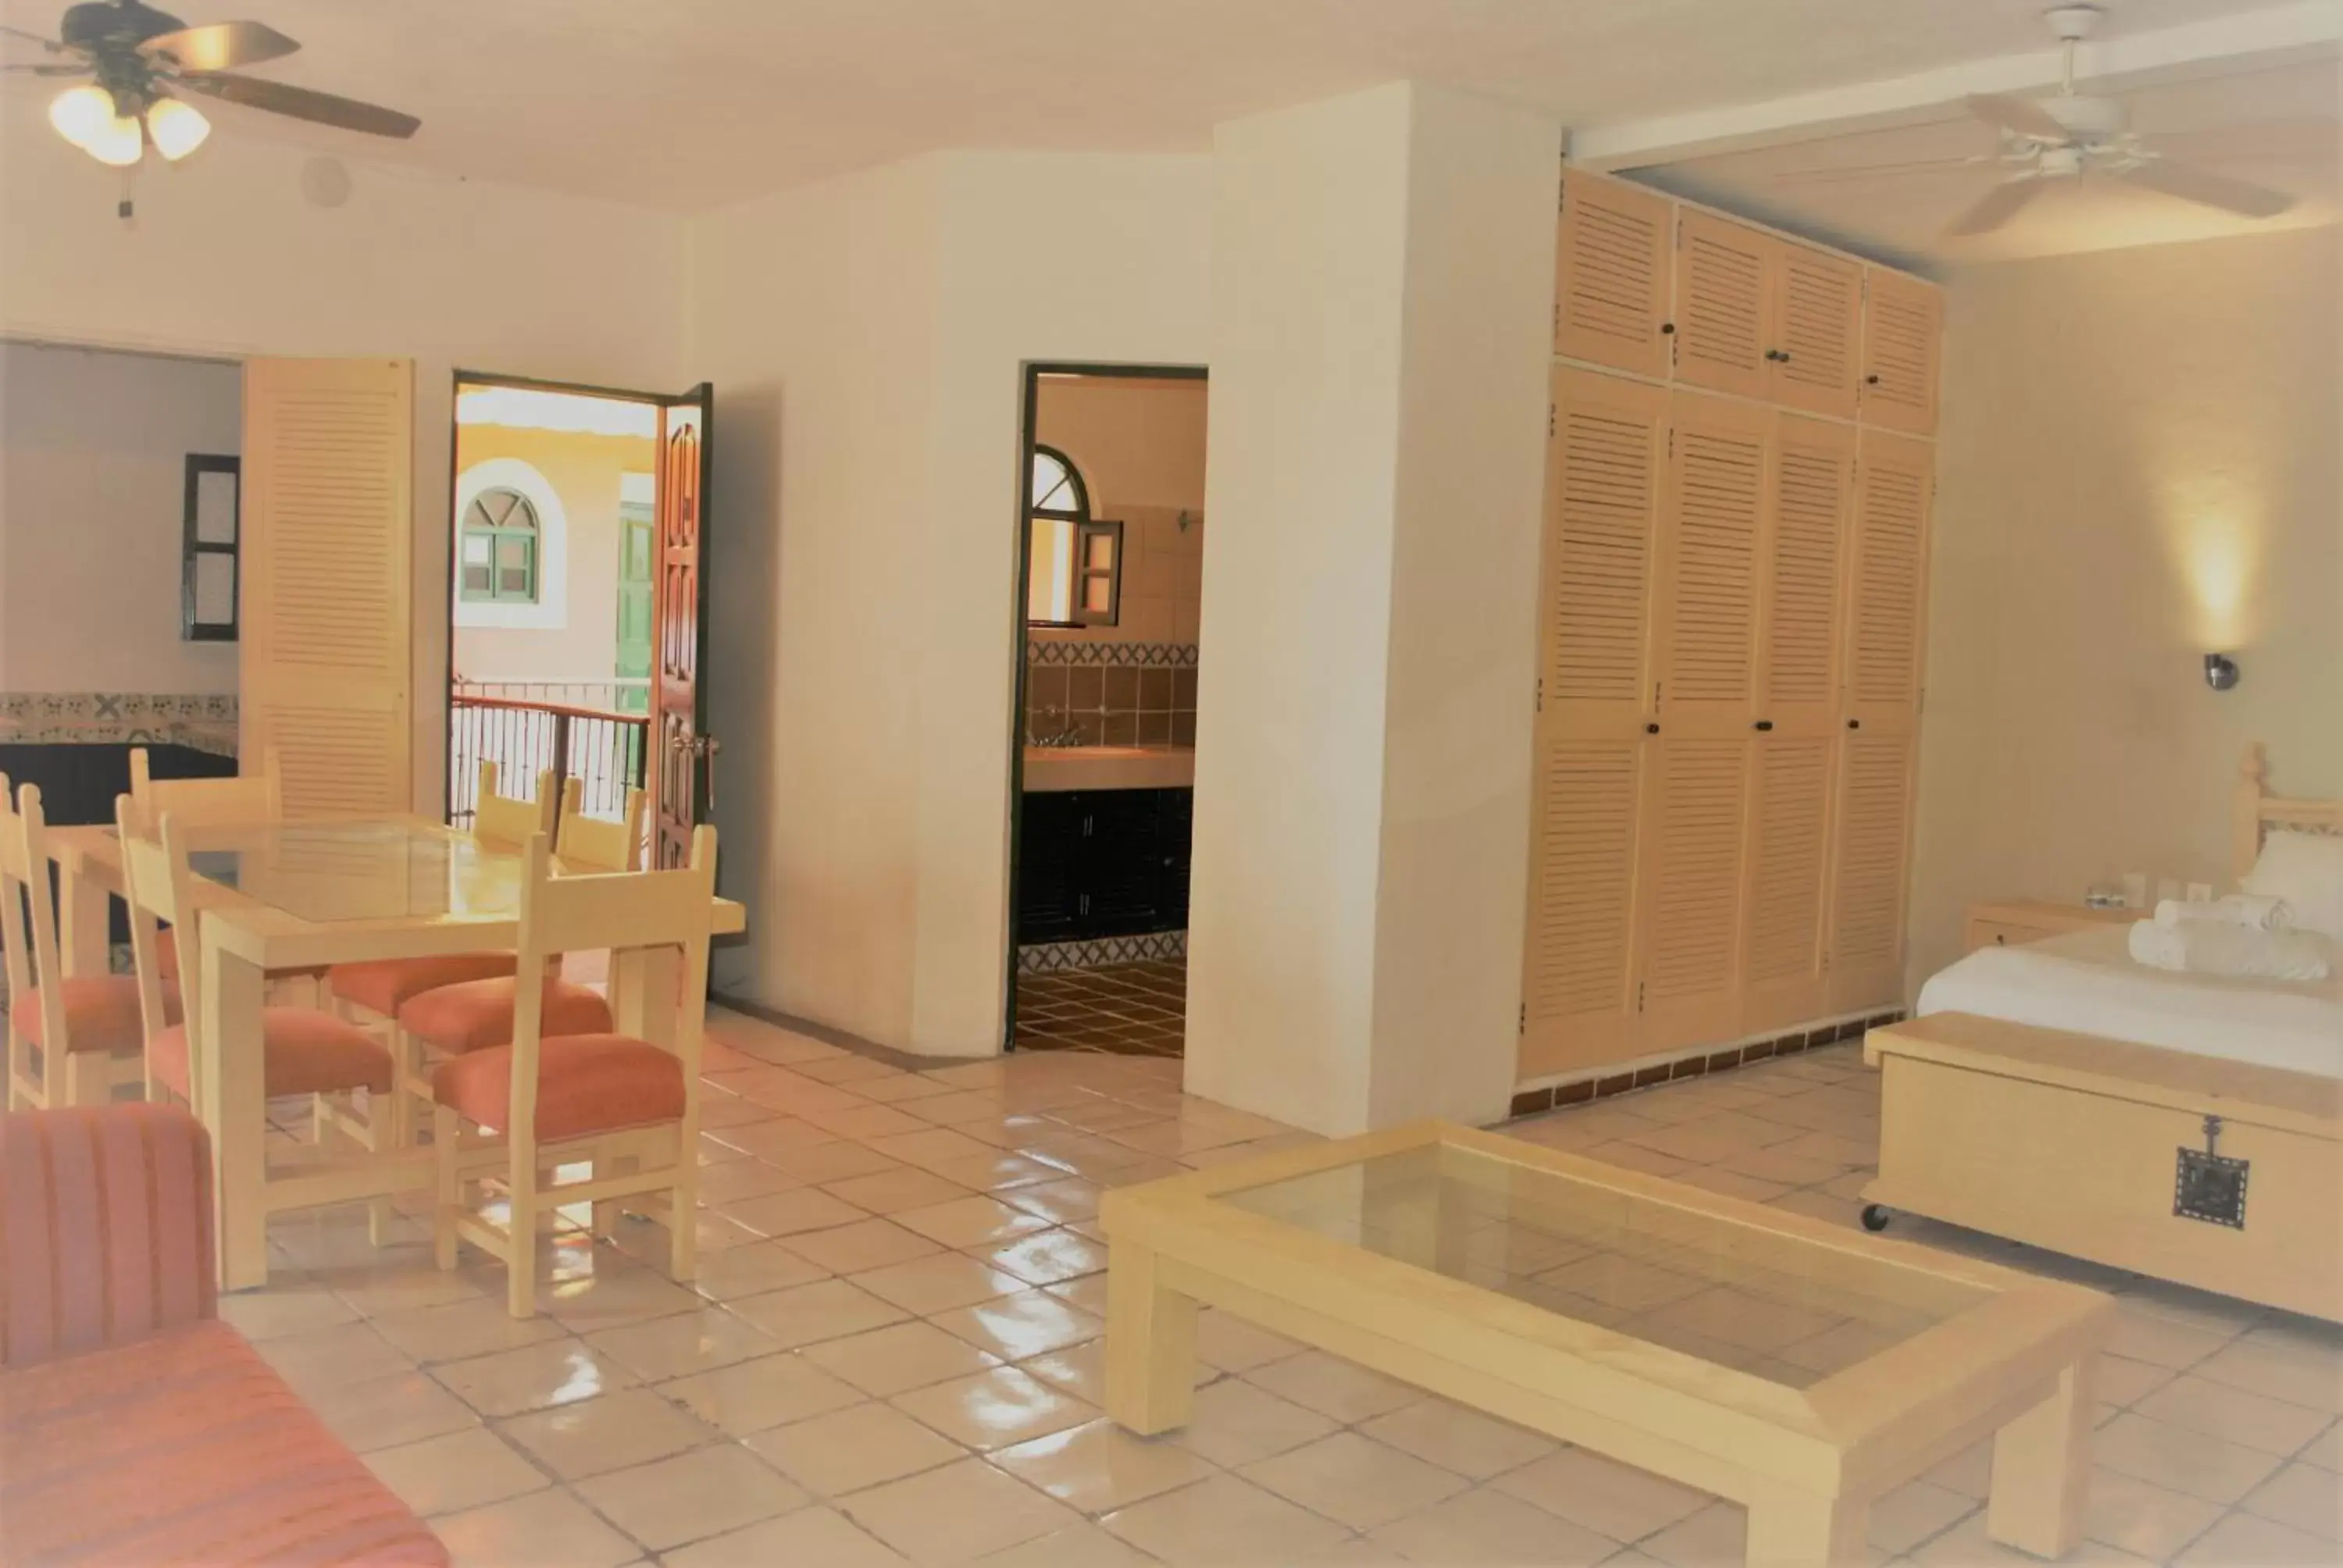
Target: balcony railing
[(604, 749)]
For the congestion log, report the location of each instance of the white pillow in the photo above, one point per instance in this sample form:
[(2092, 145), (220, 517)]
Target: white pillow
[(2305, 870)]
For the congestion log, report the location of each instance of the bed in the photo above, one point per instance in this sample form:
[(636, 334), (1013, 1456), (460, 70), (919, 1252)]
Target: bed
[(2181, 1126)]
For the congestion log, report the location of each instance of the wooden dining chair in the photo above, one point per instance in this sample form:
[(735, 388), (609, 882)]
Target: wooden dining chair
[(85, 1028), (306, 1052), (257, 797), (629, 1107), (599, 843)]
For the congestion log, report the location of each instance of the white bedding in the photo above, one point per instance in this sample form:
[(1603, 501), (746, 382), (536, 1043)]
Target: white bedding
[(2084, 982)]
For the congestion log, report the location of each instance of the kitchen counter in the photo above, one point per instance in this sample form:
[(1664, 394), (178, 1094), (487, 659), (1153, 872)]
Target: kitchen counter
[(1056, 769)]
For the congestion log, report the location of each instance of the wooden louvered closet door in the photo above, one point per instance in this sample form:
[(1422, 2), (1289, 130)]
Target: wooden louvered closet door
[(1903, 325), (326, 630), (1611, 274), (1796, 747), (1817, 331), (1723, 316), (1720, 457), (1879, 748), (1603, 479)]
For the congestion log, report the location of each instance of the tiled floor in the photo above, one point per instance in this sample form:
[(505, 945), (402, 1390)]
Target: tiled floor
[(893, 1353), (1127, 1010)]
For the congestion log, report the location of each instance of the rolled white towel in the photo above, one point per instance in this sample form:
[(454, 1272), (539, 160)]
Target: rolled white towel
[(2257, 911), (2218, 948)]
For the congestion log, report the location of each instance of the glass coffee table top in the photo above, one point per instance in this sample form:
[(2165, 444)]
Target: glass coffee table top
[(1729, 1293), (382, 869)]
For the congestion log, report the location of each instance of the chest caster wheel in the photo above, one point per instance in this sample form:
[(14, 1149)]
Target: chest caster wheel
[(1875, 1216)]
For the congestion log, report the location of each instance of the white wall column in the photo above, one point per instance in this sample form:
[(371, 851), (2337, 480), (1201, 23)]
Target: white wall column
[(1381, 298)]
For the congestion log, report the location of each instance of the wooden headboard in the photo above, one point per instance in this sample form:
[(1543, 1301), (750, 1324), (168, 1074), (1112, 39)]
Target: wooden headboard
[(2256, 811)]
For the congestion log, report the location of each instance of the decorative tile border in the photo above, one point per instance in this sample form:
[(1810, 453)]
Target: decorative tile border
[(205, 723), (1052, 958), (1091, 653), (1694, 1065)]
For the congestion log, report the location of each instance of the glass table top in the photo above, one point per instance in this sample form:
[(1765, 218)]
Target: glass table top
[(1735, 1294), (331, 872)]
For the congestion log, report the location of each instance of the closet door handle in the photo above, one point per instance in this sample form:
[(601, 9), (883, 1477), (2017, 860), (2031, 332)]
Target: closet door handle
[(1763, 724), (1855, 724), (1871, 380), (1651, 729)]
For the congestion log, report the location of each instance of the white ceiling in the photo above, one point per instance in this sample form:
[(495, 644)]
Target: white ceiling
[(690, 104), (2275, 126)]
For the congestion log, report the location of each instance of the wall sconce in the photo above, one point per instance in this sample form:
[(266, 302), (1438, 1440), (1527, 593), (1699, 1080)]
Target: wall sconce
[(2220, 671)]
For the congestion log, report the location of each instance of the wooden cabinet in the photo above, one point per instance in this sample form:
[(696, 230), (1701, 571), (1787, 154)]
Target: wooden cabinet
[(1903, 326), (1103, 863), (1610, 294), (2013, 922), (1723, 304), (1817, 325)]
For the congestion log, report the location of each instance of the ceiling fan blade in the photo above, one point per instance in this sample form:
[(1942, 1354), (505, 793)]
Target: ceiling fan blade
[(221, 46), (2206, 188), (2023, 116), (1999, 205), (49, 70), (2255, 141), (1876, 171), (301, 104), (51, 45)]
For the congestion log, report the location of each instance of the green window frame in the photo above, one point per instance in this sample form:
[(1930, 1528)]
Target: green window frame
[(496, 548)]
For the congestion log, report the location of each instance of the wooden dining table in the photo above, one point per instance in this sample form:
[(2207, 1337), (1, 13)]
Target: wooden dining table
[(287, 895)]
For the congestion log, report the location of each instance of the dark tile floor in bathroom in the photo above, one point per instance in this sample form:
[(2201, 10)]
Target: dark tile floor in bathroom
[(1127, 1010)]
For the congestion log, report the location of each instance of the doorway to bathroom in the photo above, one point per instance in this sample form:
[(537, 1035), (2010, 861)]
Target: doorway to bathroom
[(1110, 542)]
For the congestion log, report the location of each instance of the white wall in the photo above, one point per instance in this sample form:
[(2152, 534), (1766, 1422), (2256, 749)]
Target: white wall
[(1382, 287), (92, 484), (871, 331), (227, 259)]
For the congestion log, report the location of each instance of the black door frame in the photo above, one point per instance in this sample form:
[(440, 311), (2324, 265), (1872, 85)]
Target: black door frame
[(1030, 374)]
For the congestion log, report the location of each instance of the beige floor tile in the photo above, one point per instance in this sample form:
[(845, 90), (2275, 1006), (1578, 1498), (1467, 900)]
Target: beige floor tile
[(898, 1090), (1097, 1467), (1077, 1546), (458, 1471), (1232, 1344), (286, 1307), (737, 1180), (999, 1173), (1968, 1472), (957, 1106), (2164, 1342), (1088, 1293), (549, 1529), (2326, 1450), (1447, 1434), (824, 1310), (2279, 1371), (684, 1344), (384, 1413), (996, 1408), (402, 1287), (869, 1120), (1966, 1546), (847, 1450), (1224, 1522), (2246, 1541), (1332, 1387), (868, 1245), (691, 1496), (555, 1372), (1605, 1496), (846, 1069), (1733, 1184), (936, 1146), (898, 1358), (1714, 1534), (809, 1538), (957, 1514), (2146, 1520), (1715, 1138), (971, 1221), (317, 1360), (1080, 1370), (833, 1162), (751, 1396), (2233, 1414), (1046, 1257), (2303, 1496), (2123, 1382), (613, 1297), (938, 1283), (1071, 1198), (764, 1140), (1636, 1157), (1235, 1423), (1354, 1480), (2181, 1460), (462, 1330), (891, 1192), (753, 1270), (787, 1213), (1026, 1323), (633, 1426), (1486, 1529), (1914, 1513)]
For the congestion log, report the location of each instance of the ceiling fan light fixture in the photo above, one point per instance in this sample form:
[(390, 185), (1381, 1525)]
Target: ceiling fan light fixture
[(176, 128), (85, 117)]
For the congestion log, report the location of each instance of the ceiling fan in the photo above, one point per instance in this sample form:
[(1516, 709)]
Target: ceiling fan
[(143, 60), (2073, 136)]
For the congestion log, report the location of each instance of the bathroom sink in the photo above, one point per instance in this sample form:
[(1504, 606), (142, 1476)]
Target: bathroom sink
[(1055, 768)]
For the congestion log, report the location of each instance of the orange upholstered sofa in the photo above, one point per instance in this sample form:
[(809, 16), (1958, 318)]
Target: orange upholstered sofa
[(135, 1428)]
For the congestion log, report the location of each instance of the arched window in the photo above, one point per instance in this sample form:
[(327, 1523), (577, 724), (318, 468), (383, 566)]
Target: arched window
[(1073, 561), (498, 540)]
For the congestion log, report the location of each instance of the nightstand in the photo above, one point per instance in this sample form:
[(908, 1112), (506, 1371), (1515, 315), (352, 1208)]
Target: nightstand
[(2015, 922)]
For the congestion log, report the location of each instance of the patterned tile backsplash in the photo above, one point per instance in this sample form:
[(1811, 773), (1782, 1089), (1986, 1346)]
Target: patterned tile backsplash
[(205, 721), (1112, 693)]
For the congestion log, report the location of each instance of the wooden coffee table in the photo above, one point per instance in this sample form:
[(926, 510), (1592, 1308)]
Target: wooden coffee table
[(1796, 1366)]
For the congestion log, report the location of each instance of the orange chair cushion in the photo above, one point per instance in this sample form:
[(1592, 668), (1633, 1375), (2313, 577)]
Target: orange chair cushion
[(101, 1014), (306, 1052), (584, 1083), (388, 985), (478, 1013), (184, 1448)]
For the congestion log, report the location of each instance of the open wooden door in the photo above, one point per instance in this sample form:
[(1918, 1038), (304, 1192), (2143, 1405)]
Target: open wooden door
[(682, 764), (327, 628)]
